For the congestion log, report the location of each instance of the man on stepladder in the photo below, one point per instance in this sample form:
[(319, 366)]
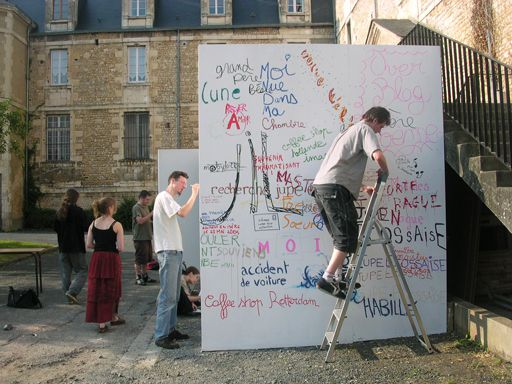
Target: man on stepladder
[(336, 187)]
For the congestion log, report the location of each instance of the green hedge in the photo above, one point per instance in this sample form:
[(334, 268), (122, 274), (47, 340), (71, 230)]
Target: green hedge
[(124, 213), (43, 218), (40, 218)]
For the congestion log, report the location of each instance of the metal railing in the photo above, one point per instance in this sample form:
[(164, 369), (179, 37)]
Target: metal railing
[(476, 90)]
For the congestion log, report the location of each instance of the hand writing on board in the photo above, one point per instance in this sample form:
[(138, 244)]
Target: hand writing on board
[(367, 189), (382, 174)]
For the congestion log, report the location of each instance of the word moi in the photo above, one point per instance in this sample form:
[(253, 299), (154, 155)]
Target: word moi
[(290, 246), (273, 81)]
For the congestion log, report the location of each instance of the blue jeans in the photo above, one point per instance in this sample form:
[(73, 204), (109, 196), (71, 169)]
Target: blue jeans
[(169, 296), (73, 262)]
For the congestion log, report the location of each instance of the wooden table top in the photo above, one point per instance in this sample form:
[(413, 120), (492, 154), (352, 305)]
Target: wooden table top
[(26, 250)]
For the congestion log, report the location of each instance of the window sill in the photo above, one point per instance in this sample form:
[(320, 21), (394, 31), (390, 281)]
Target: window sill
[(137, 84), (60, 163), (137, 161), (59, 25), (59, 86)]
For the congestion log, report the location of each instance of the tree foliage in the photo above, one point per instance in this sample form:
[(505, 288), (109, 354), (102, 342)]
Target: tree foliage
[(12, 128)]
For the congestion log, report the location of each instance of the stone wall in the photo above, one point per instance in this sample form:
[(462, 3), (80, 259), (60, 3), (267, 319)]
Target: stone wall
[(99, 94), (13, 62), (453, 18)]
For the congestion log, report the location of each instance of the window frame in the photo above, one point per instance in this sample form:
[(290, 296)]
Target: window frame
[(215, 6), (135, 8), (62, 8), (137, 65), (293, 6), (136, 144), (58, 136), (58, 70)]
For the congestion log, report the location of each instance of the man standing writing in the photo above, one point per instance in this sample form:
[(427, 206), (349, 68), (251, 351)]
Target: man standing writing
[(337, 184), (142, 235), (169, 249)]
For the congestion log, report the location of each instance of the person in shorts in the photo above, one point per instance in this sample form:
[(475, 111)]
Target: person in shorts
[(142, 237), (336, 187)]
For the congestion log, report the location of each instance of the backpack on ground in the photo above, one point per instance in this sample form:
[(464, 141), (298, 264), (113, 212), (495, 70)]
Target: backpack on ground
[(23, 298)]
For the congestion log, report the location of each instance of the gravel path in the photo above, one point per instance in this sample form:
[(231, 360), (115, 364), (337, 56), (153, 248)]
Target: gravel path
[(55, 345)]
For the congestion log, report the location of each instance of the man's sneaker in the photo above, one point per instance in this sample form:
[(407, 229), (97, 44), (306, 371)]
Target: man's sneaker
[(344, 283), (140, 282), (72, 299), (178, 335), (167, 343), (332, 288), (148, 279)]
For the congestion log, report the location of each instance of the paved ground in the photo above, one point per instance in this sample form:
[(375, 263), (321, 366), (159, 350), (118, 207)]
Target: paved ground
[(55, 345)]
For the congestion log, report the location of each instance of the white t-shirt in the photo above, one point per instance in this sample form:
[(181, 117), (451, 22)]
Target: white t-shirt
[(166, 229), (345, 162)]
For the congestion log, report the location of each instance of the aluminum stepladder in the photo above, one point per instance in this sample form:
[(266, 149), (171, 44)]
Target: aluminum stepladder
[(339, 312)]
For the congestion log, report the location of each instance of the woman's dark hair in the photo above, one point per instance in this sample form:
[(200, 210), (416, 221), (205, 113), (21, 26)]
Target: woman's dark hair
[(101, 206), (380, 114), (70, 199)]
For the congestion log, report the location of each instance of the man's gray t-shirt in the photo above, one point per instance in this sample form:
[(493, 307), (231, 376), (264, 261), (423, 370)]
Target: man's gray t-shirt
[(345, 162), (141, 231)]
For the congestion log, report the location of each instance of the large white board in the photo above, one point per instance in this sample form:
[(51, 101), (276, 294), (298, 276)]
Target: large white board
[(267, 116)]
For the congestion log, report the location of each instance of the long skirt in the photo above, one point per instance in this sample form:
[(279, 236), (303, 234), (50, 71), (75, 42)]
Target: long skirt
[(104, 287)]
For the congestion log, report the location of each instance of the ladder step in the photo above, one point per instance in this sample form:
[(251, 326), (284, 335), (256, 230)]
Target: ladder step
[(329, 335), (383, 241), (337, 313)]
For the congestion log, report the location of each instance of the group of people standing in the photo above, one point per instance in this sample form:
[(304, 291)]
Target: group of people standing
[(105, 236)]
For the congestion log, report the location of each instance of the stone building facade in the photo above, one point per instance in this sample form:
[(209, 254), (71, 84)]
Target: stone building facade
[(481, 24), (14, 30), (110, 85)]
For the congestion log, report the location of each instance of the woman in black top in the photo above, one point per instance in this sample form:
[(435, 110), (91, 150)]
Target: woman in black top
[(71, 225), (106, 237)]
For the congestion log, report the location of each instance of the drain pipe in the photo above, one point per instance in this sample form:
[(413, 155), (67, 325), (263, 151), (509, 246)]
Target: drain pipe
[(27, 113), (335, 23), (178, 89)]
